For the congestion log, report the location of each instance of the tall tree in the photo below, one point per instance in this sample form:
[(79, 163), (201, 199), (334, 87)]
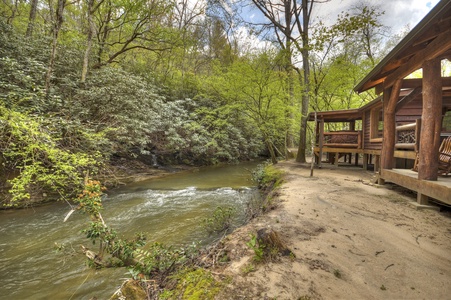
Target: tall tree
[(32, 18), (296, 34), (361, 29), (291, 21), (9, 10), (57, 19), (132, 25), (91, 8), (253, 86)]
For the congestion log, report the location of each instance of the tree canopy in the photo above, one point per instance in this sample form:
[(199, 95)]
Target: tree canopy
[(88, 83)]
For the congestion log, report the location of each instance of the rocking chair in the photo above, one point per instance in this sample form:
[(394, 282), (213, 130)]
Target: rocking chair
[(444, 164), (444, 158)]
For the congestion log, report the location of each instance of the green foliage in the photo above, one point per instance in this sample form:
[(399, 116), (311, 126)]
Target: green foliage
[(259, 250), (161, 80), (220, 221), (194, 284), (337, 62), (119, 105), (267, 176), (255, 88), (29, 147), (160, 261), (121, 250), (248, 268)]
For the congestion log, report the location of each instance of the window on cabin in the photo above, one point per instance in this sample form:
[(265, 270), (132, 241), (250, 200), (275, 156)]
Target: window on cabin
[(377, 123), (358, 125), (446, 124)]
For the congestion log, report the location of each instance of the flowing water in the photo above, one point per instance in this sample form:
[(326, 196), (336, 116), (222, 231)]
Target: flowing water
[(168, 210)]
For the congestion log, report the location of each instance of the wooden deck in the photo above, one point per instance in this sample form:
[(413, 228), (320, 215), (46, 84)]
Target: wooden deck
[(440, 189)]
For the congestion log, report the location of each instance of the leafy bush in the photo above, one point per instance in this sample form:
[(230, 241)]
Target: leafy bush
[(160, 260), (258, 249), (220, 221), (121, 250), (31, 149), (195, 284), (267, 176)]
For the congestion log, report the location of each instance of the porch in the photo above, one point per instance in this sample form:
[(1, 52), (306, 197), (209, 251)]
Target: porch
[(439, 189), (337, 144)]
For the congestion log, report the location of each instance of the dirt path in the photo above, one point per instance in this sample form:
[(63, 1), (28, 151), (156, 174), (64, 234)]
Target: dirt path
[(351, 239)]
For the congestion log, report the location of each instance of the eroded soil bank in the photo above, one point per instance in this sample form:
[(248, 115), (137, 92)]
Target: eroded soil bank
[(351, 239)]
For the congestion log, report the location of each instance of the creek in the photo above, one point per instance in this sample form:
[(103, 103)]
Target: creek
[(168, 210)]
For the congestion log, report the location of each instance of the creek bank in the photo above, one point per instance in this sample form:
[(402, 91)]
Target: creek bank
[(114, 175), (190, 278), (351, 239)]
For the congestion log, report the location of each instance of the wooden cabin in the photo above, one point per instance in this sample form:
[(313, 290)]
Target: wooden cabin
[(362, 135), (405, 127)]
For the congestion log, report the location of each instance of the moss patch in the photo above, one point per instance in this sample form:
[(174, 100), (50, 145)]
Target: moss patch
[(193, 284)]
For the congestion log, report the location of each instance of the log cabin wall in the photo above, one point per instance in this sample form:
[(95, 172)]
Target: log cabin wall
[(409, 113), (368, 144)]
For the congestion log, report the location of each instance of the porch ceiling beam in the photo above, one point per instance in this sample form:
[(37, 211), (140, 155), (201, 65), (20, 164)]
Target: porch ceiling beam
[(434, 31), (440, 45), (411, 96), (411, 83)]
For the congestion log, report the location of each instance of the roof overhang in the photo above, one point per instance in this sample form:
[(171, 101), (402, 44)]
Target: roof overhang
[(431, 38)]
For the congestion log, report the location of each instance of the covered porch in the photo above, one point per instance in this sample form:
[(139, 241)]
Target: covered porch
[(426, 47), (345, 141)]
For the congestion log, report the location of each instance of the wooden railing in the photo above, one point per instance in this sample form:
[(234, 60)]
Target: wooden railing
[(408, 136), (342, 139)]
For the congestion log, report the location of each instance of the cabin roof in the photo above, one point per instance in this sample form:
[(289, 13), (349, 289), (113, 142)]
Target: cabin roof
[(434, 28), (344, 115)]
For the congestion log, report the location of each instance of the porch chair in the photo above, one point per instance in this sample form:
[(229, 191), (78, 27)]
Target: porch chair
[(444, 158), (444, 164)]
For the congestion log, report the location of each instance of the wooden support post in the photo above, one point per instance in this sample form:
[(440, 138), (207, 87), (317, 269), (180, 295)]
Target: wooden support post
[(422, 199), (365, 161), (321, 142), (316, 142), (377, 165), (417, 135), (337, 157), (356, 159), (431, 120), (388, 144), (377, 169)]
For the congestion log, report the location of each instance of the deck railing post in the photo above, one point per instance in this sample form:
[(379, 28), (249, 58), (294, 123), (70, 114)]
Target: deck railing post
[(388, 143), (321, 142), (431, 120)]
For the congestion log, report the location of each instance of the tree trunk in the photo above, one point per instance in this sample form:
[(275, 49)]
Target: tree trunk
[(289, 69), (306, 95), (271, 151), (91, 29), (32, 18), (102, 36), (14, 10), (58, 23)]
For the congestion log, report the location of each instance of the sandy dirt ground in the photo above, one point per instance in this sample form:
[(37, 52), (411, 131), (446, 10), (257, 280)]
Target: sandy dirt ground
[(351, 239)]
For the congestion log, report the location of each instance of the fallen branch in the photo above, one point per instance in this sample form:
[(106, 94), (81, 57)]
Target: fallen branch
[(391, 265)]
